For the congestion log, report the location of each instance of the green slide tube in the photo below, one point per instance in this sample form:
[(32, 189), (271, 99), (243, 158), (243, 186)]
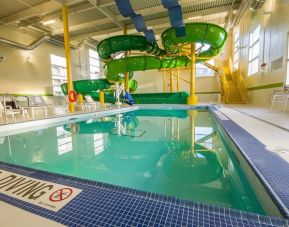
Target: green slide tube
[(91, 87), (204, 33), (115, 44)]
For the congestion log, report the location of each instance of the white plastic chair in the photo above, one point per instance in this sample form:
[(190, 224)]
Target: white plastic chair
[(280, 96), (9, 111), (90, 103)]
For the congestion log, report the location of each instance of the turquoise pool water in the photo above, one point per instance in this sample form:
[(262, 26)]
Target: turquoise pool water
[(177, 153)]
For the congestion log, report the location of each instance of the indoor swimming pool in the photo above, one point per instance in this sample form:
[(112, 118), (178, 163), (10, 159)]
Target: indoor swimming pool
[(178, 153)]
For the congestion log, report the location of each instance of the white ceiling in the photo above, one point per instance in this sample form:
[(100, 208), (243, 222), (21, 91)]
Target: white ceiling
[(97, 19)]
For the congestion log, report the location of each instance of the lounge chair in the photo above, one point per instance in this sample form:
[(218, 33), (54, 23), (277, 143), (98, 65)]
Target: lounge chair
[(91, 104), (280, 96), (12, 112), (36, 104)]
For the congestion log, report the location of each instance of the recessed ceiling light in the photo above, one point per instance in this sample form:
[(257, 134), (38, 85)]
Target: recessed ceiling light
[(49, 22), (196, 17)]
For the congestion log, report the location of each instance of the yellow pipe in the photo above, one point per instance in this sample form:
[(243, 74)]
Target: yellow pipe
[(193, 99), (193, 114), (67, 53), (171, 80), (126, 87), (101, 98), (210, 66), (164, 81), (178, 81)]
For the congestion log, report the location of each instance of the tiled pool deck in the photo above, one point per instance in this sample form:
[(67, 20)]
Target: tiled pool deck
[(106, 205)]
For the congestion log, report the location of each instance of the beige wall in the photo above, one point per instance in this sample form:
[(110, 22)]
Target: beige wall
[(274, 21), (29, 72)]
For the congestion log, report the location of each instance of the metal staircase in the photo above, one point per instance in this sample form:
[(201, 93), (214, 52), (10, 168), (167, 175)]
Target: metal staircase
[(233, 88)]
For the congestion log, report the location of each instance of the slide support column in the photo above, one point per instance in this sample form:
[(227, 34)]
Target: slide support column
[(67, 52), (171, 81), (164, 81), (193, 99), (125, 55)]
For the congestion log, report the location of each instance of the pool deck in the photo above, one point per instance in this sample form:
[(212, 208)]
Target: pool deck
[(106, 205)]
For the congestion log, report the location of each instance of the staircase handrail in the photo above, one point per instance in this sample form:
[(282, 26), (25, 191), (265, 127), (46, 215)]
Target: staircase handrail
[(224, 84), (241, 85)]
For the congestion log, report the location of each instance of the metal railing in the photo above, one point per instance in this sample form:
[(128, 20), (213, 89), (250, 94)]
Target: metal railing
[(218, 103), (225, 92), (237, 76)]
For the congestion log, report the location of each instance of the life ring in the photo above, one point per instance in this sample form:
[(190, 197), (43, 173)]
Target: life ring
[(72, 96)]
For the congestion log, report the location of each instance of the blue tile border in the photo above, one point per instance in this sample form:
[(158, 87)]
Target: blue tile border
[(102, 204), (269, 167)]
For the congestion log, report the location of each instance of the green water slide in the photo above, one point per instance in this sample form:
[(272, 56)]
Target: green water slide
[(91, 87), (204, 33), (156, 58)]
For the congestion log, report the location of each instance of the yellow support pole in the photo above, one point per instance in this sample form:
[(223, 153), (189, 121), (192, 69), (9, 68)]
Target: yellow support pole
[(67, 52), (171, 81), (125, 55), (193, 99), (164, 81), (193, 115), (178, 81), (101, 98)]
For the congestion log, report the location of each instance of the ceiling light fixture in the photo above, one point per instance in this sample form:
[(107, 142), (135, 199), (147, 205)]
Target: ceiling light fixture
[(196, 17), (49, 22)]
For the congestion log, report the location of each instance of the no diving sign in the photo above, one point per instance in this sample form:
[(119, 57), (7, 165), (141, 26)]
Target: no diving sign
[(38, 192)]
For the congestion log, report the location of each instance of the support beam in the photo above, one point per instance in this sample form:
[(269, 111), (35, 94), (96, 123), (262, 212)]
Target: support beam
[(106, 12), (164, 81), (171, 81), (125, 55), (158, 24), (67, 53), (214, 68), (38, 10), (178, 81), (193, 99)]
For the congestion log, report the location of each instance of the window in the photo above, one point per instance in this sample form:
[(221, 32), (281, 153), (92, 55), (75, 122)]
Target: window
[(236, 49), (94, 64), (98, 143), (64, 141), (287, 63), (202, 70), (254, 45), (204, 136), (58, 70)]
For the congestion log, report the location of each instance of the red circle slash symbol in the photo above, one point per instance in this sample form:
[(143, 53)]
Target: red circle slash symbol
[(60, 194)]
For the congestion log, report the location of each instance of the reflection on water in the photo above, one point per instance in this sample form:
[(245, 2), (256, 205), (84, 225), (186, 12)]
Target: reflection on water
[(175, 153)]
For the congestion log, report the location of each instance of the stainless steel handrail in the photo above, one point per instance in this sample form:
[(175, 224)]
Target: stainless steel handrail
[(218, 100)]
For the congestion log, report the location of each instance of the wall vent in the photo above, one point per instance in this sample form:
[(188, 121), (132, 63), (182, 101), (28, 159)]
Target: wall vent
[(256, 4), (277, 64)]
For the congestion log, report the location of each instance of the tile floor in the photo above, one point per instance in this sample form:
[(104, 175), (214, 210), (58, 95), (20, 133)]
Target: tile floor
[(14, 217), (274, 138)]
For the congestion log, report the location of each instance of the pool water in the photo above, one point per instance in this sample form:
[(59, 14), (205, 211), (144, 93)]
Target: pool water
[(176, 153)]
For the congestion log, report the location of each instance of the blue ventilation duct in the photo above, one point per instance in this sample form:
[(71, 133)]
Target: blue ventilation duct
[(126, 10), (150, 35), (139, 23), (176, 16)]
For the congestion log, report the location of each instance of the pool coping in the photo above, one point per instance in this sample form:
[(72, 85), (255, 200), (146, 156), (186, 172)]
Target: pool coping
[(272, 178), (204, 213), (37, 124)]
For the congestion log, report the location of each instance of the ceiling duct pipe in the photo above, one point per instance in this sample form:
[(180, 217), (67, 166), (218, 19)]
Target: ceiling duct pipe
[(32, 46), (244, 6), (256, 4)]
